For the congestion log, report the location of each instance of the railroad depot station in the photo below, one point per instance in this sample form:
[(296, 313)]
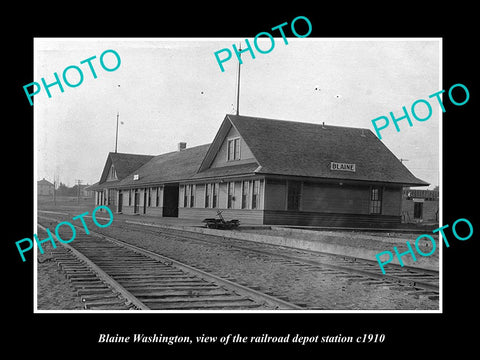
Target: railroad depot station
[(265, 171)]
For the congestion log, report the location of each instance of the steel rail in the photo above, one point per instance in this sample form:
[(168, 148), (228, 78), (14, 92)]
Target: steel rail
[(254, 295), (387, 277), (104, 276), (244, 290)]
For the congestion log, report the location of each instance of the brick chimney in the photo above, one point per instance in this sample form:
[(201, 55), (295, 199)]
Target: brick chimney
[(182, 146)]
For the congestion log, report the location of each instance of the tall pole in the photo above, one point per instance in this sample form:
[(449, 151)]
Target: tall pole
[(116, 134), (78, 191), (238, 82), (54, 190)]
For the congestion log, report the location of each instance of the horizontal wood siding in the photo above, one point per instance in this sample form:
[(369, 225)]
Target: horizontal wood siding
[(392, 201), (334, 198), (200, 195), (127, 210), (276, 194), (245, 216), (303, 218), (246, 155)]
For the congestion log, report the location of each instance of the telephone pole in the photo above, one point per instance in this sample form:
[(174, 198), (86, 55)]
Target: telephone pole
[(78, 191), (238, 81), (116, 134)]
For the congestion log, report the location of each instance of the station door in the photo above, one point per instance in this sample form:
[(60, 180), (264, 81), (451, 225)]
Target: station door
[(170, 200)]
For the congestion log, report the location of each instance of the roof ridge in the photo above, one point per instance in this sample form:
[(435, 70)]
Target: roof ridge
[(123, 153), (186, 149), (297, 122)]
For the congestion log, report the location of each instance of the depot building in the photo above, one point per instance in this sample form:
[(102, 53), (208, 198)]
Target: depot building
[(265, 171)]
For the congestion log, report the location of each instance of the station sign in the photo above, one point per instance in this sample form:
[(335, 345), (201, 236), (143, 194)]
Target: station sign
[(342, 166)]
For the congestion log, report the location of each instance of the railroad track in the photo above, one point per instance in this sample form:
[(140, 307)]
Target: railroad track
[(111, 274), (422, 281), (360, 274)]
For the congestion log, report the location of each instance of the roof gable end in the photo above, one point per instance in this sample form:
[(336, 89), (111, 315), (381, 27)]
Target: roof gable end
[(123, 164), (216, 155)]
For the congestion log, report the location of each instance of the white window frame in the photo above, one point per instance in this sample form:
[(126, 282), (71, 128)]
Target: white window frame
[(236, 154)]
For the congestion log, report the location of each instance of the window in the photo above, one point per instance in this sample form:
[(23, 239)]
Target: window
[(157, 201), (214, 195), (208, 190), (230, 197), (186, 190), (294, 195), (376, 200), (112, 197), (192, 196), (130, 197), (245, 192), (149, 197), (189, 196), (255, 194), (418, 210), (233, 151), (112, 174)]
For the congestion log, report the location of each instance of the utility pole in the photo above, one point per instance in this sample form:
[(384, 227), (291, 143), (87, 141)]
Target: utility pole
[(78, 191), (116, 134), (54, 191), (238, 81), (118, 114)]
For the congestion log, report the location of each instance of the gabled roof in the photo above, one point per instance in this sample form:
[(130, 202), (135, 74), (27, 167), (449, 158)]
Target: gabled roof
[(171, 167), (44, 182), (124, 164), (243, 169), (291, 148)]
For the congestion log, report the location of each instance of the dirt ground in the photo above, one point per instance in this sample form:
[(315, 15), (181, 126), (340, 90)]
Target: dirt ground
[(53, 289)]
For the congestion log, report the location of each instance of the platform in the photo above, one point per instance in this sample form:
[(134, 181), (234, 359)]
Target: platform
[(359, 244)]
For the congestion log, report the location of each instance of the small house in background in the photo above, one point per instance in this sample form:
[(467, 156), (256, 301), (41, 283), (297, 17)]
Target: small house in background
[(420, 205), (44, 187), (85, 191)]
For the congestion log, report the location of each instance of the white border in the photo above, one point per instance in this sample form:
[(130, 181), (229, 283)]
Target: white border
[(243, 312)]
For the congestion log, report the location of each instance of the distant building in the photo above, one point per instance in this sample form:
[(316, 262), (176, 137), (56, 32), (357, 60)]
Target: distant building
[(85, 191), (265, 171), (44, 187), (117, 167), (420, 205)]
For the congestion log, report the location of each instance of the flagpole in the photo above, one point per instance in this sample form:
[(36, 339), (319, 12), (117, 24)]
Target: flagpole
[(116, 135), (238, 83)]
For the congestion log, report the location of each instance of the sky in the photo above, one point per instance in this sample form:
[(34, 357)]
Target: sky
[(171, 90)]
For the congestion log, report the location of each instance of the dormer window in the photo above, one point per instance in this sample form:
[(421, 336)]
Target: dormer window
[(112, 174), (233, 151)]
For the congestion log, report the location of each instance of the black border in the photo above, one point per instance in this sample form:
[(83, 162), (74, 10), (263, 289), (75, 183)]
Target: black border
[(404, 332)]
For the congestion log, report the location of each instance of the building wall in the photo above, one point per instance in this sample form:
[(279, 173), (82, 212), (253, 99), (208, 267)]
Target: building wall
[(321, 204), (392, 201), (324, 204), (430, 211), (222, 196), (45, 189), (334, 198), (128, 201), (275, 194), (303, 218), (245, 216)]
